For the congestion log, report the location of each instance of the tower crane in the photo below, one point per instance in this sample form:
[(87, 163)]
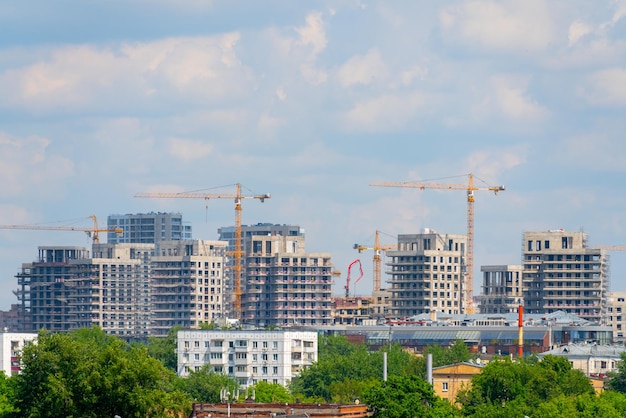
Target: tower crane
[(91, 232), (238, 252), (377, 259), (469, 188)]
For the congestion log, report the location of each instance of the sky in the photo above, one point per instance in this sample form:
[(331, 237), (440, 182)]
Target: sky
[(311, 102)]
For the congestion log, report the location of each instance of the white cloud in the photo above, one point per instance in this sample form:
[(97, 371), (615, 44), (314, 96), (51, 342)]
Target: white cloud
[(313, 34), (578, 30), (362, 69), (509, 97), (509, 25), (189, 150), (28, 169), (386, 112), (606, 88), (491, 164), (203, 69)]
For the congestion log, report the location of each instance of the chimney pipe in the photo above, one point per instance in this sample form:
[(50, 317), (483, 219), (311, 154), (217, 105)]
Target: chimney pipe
[(520, 344)]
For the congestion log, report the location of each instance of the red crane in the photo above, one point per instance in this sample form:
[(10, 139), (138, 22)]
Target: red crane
[(347, 287)]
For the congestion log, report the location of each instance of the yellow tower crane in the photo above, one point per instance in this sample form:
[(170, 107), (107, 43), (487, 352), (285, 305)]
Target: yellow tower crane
[(377, 257), (468, 285), (92, 232), (238, 252)]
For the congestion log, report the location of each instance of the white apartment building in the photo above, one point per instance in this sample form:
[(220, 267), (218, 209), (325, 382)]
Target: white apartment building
[(427, 274), (247, 356), (187, 283), (11, 345)]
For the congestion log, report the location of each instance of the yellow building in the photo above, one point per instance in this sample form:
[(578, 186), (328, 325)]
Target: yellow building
[(449, 380)]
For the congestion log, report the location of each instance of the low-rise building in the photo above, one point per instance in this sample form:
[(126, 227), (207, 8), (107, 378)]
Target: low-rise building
[(11, 346), (449, 380), (595, 360), (247, 356)]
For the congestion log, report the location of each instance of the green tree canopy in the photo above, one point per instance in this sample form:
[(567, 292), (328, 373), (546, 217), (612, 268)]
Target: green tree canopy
[(87, 374), (205, 385), (406, 397)]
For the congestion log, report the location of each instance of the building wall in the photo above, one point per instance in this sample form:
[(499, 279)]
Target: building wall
[(617, 315), (560, 272), (11, 345), (502, 289), (148, 228), (44, 289), (187, 284), (427, 273), (449, 380), (247, 356), (112, 290)]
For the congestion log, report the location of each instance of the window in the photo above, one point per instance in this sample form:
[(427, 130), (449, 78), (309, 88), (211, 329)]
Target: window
[(444, 386)]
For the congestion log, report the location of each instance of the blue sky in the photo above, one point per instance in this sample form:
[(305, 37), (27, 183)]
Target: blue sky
[(311, 102)]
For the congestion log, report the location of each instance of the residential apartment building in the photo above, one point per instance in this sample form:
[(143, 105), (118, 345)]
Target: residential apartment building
[(112, 290), (248, 232), (617, 315), (561, 272), (595, 360), (502, 289), (247, 356), (131, 290), (44, 288), (11, 346), (427, 273), (284, 285), (148, 228), (187, 283)]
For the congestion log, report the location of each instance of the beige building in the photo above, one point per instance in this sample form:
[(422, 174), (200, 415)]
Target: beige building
[(284, 285), (426, 274), (449, 380), (187, 284), (502, 289), (353, 310), (617, 315), (561, 272), (595, 360)]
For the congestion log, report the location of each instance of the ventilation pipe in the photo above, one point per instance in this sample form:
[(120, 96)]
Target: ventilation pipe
[(520, 344)]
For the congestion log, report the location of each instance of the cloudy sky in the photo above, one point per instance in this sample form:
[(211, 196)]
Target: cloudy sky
[(310, 102)]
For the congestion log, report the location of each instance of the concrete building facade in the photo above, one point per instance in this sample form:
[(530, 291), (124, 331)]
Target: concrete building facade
[(284, 285), (561, 272), (44, 288), (112, 290), (187, 284), (617, 315), (427, 273), (502, 289), (148, 228), (247, 356)]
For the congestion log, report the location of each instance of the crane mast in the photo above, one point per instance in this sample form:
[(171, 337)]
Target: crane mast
[(238, 252), (377, 260), (468, 277)]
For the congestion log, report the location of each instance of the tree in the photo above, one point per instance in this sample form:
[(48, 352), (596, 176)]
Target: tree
[(6, 396), (87, 374), (270, 393), (205, 385), (164, 348), (406, 397), (457, 352), (617, 380)]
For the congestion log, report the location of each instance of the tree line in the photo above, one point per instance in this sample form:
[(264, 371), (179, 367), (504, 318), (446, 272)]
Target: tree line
[(86, 373)]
